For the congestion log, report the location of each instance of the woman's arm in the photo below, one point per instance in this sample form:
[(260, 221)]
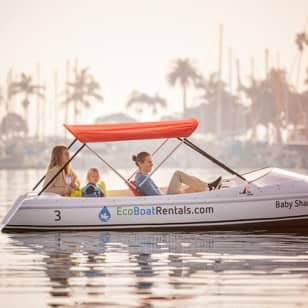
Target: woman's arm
[(57, 185), (75, 181), (148, 188)]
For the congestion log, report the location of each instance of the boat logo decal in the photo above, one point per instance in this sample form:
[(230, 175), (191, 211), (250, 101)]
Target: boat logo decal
[(246, 191), (290, 204), (104, 215), (164, 210)]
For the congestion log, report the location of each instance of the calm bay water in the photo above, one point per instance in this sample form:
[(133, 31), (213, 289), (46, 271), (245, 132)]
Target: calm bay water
[(147, 269)]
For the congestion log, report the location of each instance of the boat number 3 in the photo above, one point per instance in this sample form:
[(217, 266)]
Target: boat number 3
[(58, 215)]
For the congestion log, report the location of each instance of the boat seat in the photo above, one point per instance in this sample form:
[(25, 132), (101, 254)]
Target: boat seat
[(132, 186)]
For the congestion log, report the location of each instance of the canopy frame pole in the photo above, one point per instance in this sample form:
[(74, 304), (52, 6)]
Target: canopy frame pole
[(61, 169), (107, 164), (153, 153), (211, 158), (43, 177), (160, 164)]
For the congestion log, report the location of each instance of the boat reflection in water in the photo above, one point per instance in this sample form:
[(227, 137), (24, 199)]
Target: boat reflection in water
[(148, 269)]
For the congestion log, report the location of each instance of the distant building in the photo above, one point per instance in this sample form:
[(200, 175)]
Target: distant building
[(115, 118)]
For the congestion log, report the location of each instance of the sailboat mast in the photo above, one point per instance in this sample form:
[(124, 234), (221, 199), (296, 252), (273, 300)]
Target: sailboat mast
[(218, 111)]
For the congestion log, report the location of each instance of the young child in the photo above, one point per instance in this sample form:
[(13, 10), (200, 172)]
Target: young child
[(92, 189)]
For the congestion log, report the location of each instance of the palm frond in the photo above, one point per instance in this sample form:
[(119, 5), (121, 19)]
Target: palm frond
[(97, 96), (182, 70), (82, 89)]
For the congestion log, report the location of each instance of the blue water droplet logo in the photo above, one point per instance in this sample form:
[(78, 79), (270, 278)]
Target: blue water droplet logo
[(104, 215)]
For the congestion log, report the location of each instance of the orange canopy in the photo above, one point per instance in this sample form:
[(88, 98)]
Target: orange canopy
[(133, 131)]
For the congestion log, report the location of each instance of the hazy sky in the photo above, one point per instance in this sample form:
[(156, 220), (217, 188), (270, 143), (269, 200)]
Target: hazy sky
[(129, 44)]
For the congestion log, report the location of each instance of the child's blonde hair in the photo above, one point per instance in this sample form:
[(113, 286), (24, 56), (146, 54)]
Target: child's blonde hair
[(91, 171)]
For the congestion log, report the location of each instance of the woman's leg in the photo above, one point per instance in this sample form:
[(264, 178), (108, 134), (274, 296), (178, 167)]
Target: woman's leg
[(180, 178)]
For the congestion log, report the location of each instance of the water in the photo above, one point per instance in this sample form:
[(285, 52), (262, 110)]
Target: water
[(147, 269)]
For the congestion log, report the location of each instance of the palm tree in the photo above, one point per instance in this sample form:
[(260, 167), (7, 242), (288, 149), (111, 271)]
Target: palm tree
[(139, 99), (270, 98), (278, 84), (8, 90), (183, 71), (13, 125), (301, 40), (26, 88), (233, 113), (1, 97), (261, 110), (81, 90)]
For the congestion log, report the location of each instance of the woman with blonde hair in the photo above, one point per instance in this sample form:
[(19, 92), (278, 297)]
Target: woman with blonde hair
[(66, 180)]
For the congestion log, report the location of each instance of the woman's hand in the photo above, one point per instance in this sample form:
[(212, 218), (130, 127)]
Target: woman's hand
[(74, 186)]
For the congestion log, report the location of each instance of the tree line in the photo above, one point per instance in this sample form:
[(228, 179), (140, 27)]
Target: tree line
[(271, 102)]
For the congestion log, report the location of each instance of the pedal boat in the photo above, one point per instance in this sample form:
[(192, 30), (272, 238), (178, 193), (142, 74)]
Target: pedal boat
[(265, 199)]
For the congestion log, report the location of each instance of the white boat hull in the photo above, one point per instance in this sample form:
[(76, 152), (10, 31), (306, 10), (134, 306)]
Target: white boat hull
[(225, 209), (237, 206)]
